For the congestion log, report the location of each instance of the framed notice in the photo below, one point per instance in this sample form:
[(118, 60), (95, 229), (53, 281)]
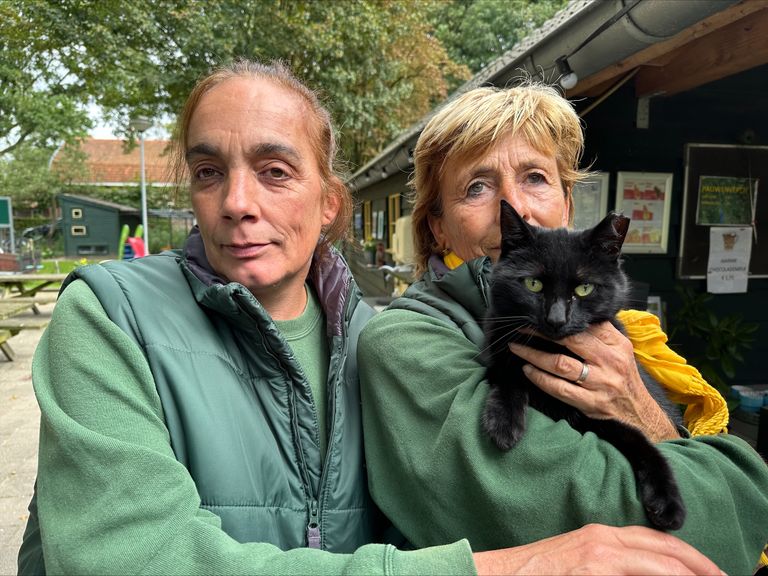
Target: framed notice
[(645, 198), (723, 187), (726, 201), (590, 200)]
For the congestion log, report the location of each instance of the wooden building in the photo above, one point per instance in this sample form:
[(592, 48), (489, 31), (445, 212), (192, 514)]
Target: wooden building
[(673, 94), (107, 195), (91, 227)]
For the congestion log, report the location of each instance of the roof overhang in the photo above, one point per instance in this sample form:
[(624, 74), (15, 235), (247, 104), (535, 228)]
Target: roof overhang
[(667, 47)]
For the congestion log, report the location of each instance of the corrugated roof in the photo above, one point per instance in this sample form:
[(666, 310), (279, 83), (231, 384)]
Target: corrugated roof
[(107, 162), (100, 202), (576, 31), (486, 76)]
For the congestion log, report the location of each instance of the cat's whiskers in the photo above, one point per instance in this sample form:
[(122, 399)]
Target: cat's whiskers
[(514, 331), (505, 318)]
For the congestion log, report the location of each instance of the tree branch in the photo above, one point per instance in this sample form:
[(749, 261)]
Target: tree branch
[(16, 144)]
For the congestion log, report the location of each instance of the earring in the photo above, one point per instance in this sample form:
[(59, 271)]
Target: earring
[(445, 251)]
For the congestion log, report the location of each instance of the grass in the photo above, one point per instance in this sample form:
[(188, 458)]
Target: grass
[(57, 266), (62, 265)]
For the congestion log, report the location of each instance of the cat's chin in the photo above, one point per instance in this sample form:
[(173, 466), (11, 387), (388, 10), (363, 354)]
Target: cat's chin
[(555, 335)]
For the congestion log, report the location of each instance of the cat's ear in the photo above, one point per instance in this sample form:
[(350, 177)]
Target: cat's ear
[(515, 231), (609, 234)]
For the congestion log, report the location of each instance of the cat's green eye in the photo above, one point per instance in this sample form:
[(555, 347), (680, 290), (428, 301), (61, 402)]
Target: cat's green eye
[(533, 284), (583, 290)]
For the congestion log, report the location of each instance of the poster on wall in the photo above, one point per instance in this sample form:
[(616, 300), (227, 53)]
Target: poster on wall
[(720, 189), (590, 200), (645, 198), (729, 252), (726, 201)]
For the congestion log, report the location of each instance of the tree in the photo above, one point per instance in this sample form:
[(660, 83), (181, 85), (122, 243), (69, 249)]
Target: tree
[(26, 176), (381, 64), (374, 59), (39, 100), (476, 32)]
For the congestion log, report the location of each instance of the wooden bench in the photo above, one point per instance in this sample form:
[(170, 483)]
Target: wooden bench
[(28, 284), (16, 325), (34, 300), (5, 335)]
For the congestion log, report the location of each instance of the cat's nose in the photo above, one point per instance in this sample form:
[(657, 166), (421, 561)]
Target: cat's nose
[(557, 314), (517, 199)]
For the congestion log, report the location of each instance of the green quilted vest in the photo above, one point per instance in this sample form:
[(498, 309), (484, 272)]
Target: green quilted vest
[(237, 405)]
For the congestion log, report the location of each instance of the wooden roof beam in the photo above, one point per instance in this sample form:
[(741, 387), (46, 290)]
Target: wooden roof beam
[(732, 49), (593, 85)]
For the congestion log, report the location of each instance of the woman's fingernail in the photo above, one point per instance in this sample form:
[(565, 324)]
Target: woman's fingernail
[(527, 369)]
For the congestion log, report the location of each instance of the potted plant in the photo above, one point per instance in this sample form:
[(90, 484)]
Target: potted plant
[(369, 247), (716, 343)]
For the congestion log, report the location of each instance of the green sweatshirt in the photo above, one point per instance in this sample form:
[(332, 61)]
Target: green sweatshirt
[(435, 474), (116, 500)]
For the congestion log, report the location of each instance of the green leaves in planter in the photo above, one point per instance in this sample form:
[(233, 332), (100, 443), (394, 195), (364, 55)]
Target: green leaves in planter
[(714, 344)]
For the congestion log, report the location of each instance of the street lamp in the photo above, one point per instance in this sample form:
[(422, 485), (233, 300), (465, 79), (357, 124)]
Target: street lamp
[(141, 124)]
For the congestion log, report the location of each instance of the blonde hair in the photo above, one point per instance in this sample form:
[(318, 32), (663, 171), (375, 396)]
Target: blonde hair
[(321, 134), (471, 125)]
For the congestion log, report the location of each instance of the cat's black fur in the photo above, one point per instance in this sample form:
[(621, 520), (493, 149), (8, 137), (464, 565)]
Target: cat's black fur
[(562, 260)]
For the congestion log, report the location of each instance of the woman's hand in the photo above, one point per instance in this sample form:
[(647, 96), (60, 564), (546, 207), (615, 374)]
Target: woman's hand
[(597, 549), (613, 387)]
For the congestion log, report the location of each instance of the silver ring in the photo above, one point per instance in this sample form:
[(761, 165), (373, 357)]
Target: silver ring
[(583, 375)]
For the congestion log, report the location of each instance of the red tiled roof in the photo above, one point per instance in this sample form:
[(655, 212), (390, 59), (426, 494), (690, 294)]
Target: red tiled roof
[(108, 163)]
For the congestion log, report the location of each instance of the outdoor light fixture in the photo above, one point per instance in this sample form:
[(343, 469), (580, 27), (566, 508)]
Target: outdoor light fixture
[(141, 124), (568, 78)]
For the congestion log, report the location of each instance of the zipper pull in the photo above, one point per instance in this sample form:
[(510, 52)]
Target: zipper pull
[(313, 528)]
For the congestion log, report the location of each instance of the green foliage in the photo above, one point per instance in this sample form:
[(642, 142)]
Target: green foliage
[(168, 233), (40, 101), (375, 60), (62, 265), (381, 64), (717, 343), (476, 32), (26, 178)]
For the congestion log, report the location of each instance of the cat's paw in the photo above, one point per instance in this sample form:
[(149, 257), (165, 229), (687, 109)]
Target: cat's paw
[(502, 429), (665, 512)]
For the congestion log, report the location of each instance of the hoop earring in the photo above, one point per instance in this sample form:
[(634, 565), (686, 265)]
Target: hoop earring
[(445, 251)]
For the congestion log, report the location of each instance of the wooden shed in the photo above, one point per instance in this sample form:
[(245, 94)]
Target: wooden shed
[(91, 227)]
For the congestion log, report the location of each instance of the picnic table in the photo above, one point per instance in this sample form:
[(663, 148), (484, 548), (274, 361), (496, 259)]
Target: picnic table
[(10, 308), (17, 295), (13, 285)]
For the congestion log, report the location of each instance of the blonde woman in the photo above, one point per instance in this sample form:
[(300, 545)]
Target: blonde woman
[(433, 471)]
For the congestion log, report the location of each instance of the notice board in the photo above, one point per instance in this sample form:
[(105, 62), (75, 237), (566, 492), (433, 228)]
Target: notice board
[(721, 181)]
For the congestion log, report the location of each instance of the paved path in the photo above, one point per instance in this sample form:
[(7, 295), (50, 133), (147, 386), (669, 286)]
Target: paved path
[(19, 423)]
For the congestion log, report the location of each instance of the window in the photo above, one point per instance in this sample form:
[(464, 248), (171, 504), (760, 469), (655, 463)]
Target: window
[(77, 213), (367, 224), (78, 231), (393, 213), (92, 249)]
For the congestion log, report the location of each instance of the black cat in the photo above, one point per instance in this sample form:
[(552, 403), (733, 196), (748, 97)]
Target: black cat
[(557, 282)]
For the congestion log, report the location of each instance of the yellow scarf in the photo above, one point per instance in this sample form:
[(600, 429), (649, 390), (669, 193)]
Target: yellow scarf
[(706, 411)]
